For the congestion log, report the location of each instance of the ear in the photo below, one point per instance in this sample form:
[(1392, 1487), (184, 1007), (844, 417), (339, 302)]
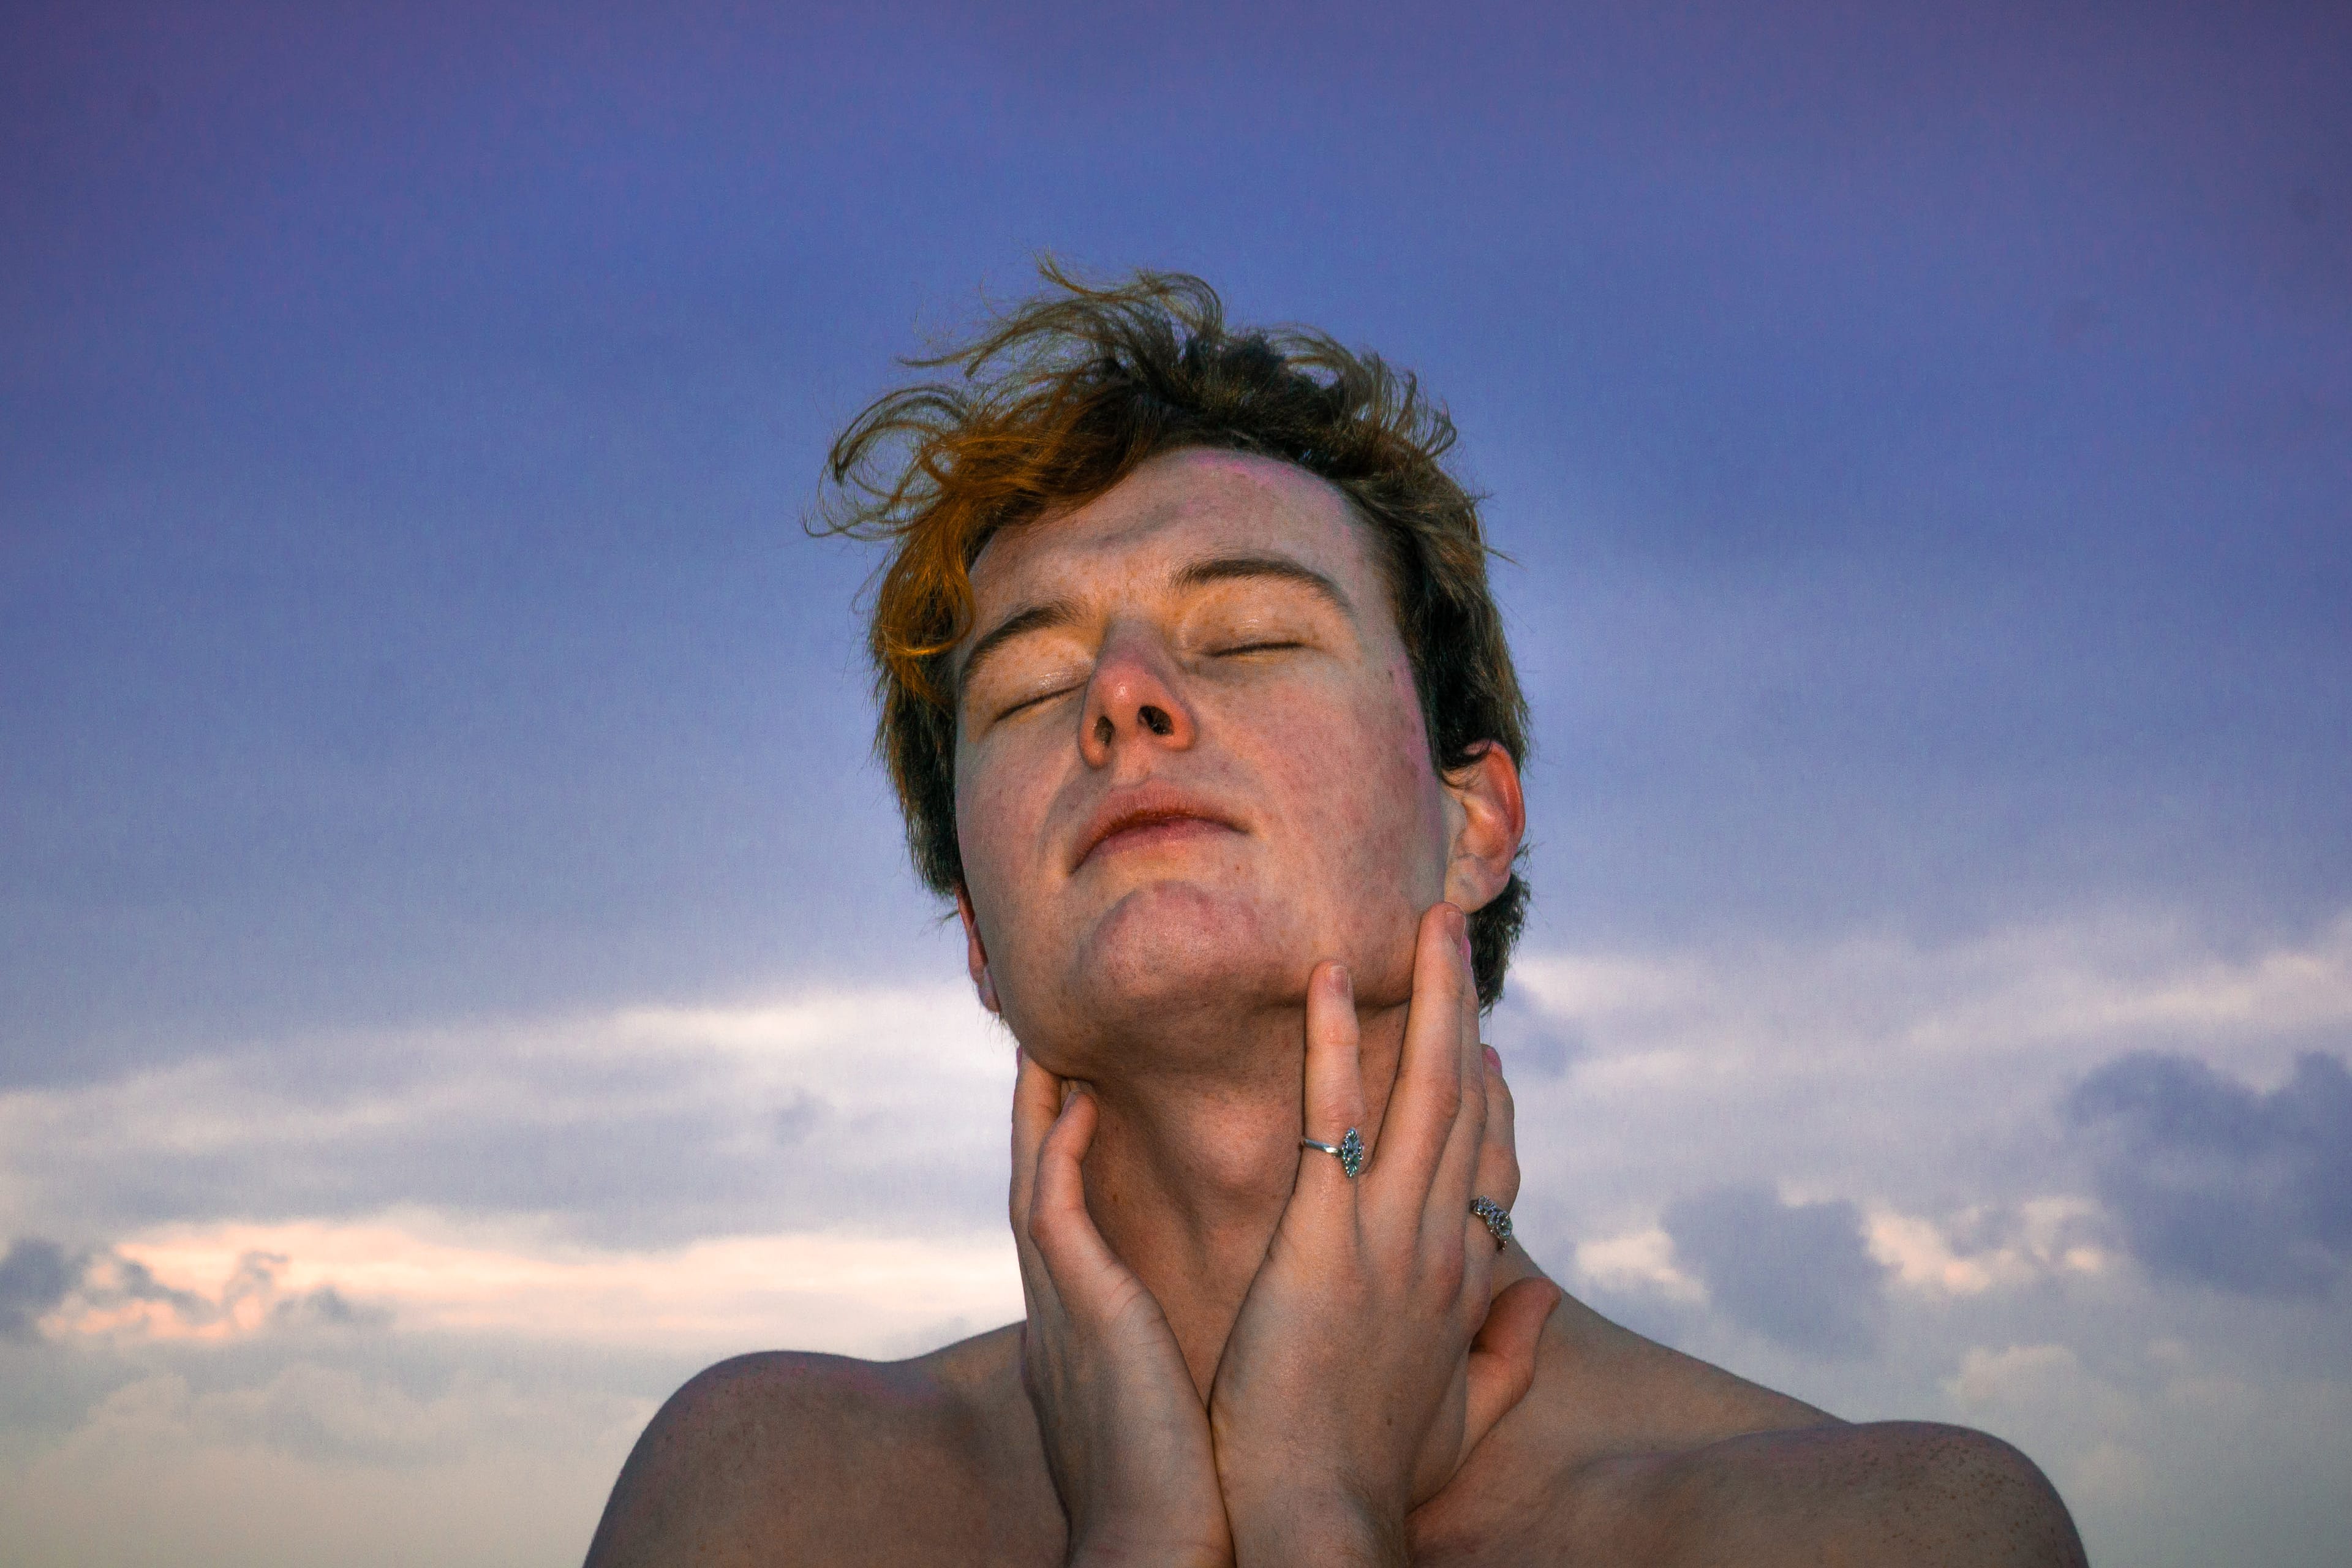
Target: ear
[(975, 953), (1489, 819)]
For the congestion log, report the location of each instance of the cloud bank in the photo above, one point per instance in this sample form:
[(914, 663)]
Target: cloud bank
[(1801, 1274), (2218, 1183), (1891, 1178)]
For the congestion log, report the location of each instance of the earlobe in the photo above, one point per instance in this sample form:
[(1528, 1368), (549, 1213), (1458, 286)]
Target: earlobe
[(975, 952), (1491, 822)]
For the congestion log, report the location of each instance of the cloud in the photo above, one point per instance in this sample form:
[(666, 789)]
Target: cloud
[(311, 1461), (324, 1412), (637, 1128), (35, 1277), (140, 1291), (1990, 1247), (2209, 1462), (328, 1307), (2218, 1183), (1800, 1274), (1535, 1049), (627, 1195), (435, 1274)]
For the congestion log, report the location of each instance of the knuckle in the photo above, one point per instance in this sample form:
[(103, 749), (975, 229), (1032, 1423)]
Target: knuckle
[(1448, 1270)]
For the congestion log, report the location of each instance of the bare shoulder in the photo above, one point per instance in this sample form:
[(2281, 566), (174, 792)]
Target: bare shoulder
[(1906, 1492), (1630, 1452), (788, 1456), (1680, 1461)]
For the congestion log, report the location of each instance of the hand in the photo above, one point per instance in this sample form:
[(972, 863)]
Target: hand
[(1126, 1437), (1372, 1353)]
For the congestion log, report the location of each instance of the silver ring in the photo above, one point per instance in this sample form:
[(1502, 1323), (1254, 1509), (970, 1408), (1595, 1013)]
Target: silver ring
[(1497, 1218), (1349, 1151)]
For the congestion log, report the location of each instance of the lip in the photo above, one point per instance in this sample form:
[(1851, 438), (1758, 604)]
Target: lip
[(1152, 810)]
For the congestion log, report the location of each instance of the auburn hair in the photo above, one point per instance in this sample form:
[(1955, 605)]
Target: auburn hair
[(1062, 397)]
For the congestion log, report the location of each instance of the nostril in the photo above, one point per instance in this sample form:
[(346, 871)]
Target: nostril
[(1103, 729), (1157, 722)]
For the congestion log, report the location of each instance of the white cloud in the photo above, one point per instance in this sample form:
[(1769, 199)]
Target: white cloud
[(826, 1290), (318, 1465), (2173, 1449), (1921, 1079), (2037, 1238), (1636, 1261), (825, 1171), (880, 1111)]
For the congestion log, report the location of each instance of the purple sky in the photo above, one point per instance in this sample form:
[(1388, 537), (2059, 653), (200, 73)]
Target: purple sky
[(1925, 445), (1923, 437)]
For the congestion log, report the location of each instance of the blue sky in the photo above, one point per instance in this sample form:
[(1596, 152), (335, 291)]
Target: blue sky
[(1921, 440)]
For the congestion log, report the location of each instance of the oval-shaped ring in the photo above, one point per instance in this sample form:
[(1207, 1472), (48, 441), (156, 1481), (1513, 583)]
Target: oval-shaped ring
[(1349, 1151), (1498, 1220)]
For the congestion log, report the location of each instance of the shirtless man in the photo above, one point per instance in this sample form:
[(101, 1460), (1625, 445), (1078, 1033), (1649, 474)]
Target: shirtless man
[(1200, 711)]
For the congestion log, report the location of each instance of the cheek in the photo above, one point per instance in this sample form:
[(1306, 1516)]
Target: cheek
[(990, 829), (1366, 797)]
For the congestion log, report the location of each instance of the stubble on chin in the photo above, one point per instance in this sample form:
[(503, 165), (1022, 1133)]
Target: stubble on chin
[(1184, 972)]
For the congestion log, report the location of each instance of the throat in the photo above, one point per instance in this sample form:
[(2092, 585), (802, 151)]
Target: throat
[(1188, 1177)]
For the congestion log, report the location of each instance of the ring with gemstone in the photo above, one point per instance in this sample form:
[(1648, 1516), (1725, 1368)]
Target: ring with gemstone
[(1349, 1151), (1497, 1218)]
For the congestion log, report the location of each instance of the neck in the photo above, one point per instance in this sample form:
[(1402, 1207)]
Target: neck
[(1190, 1170)]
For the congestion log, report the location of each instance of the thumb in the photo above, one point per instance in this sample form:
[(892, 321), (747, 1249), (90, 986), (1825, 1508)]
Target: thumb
[(1503, 1355)]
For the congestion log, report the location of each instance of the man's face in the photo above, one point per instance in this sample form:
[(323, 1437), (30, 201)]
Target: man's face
[(1190, 759)]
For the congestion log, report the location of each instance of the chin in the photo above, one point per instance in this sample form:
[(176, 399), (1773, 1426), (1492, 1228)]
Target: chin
[(1171, 948)]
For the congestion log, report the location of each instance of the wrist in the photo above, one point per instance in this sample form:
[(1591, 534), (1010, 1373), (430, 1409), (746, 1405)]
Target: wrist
[(1134, 1555), (1287, 1529), (1146, 1548)]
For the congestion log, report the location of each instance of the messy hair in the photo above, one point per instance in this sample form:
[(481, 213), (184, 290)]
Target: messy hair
[(1065, 394)]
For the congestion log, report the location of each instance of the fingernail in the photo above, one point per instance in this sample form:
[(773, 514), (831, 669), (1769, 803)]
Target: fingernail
[(1494, 1058)]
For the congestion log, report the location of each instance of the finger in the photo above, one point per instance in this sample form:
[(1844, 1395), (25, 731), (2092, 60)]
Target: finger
[(1498, 1152), (1037, 1096), (1503, 1355), (1458, 1167), (1334, 1097), (1037, 1101), (1073, 1249), (1497, 1177), (1429, 1088)]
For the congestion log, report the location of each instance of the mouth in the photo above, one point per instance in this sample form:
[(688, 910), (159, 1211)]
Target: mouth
[(1148, 824)]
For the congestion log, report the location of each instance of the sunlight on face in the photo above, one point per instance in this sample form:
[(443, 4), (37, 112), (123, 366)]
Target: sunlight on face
[(1190, 756)]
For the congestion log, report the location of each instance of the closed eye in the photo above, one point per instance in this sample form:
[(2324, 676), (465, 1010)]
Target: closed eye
[(1258, 648), (1028, 702)]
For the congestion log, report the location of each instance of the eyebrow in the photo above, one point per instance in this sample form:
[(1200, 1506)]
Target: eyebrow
[(1278, 568), (1020, 623), (1198, 574)]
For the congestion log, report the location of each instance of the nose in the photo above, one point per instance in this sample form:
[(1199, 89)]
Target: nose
[(1132, 700)]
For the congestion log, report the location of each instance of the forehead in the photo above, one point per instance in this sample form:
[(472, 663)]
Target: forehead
[(1176, 507)]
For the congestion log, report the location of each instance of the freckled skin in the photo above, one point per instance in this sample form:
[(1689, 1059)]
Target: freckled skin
[(1169, 973), (1081, 957)]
